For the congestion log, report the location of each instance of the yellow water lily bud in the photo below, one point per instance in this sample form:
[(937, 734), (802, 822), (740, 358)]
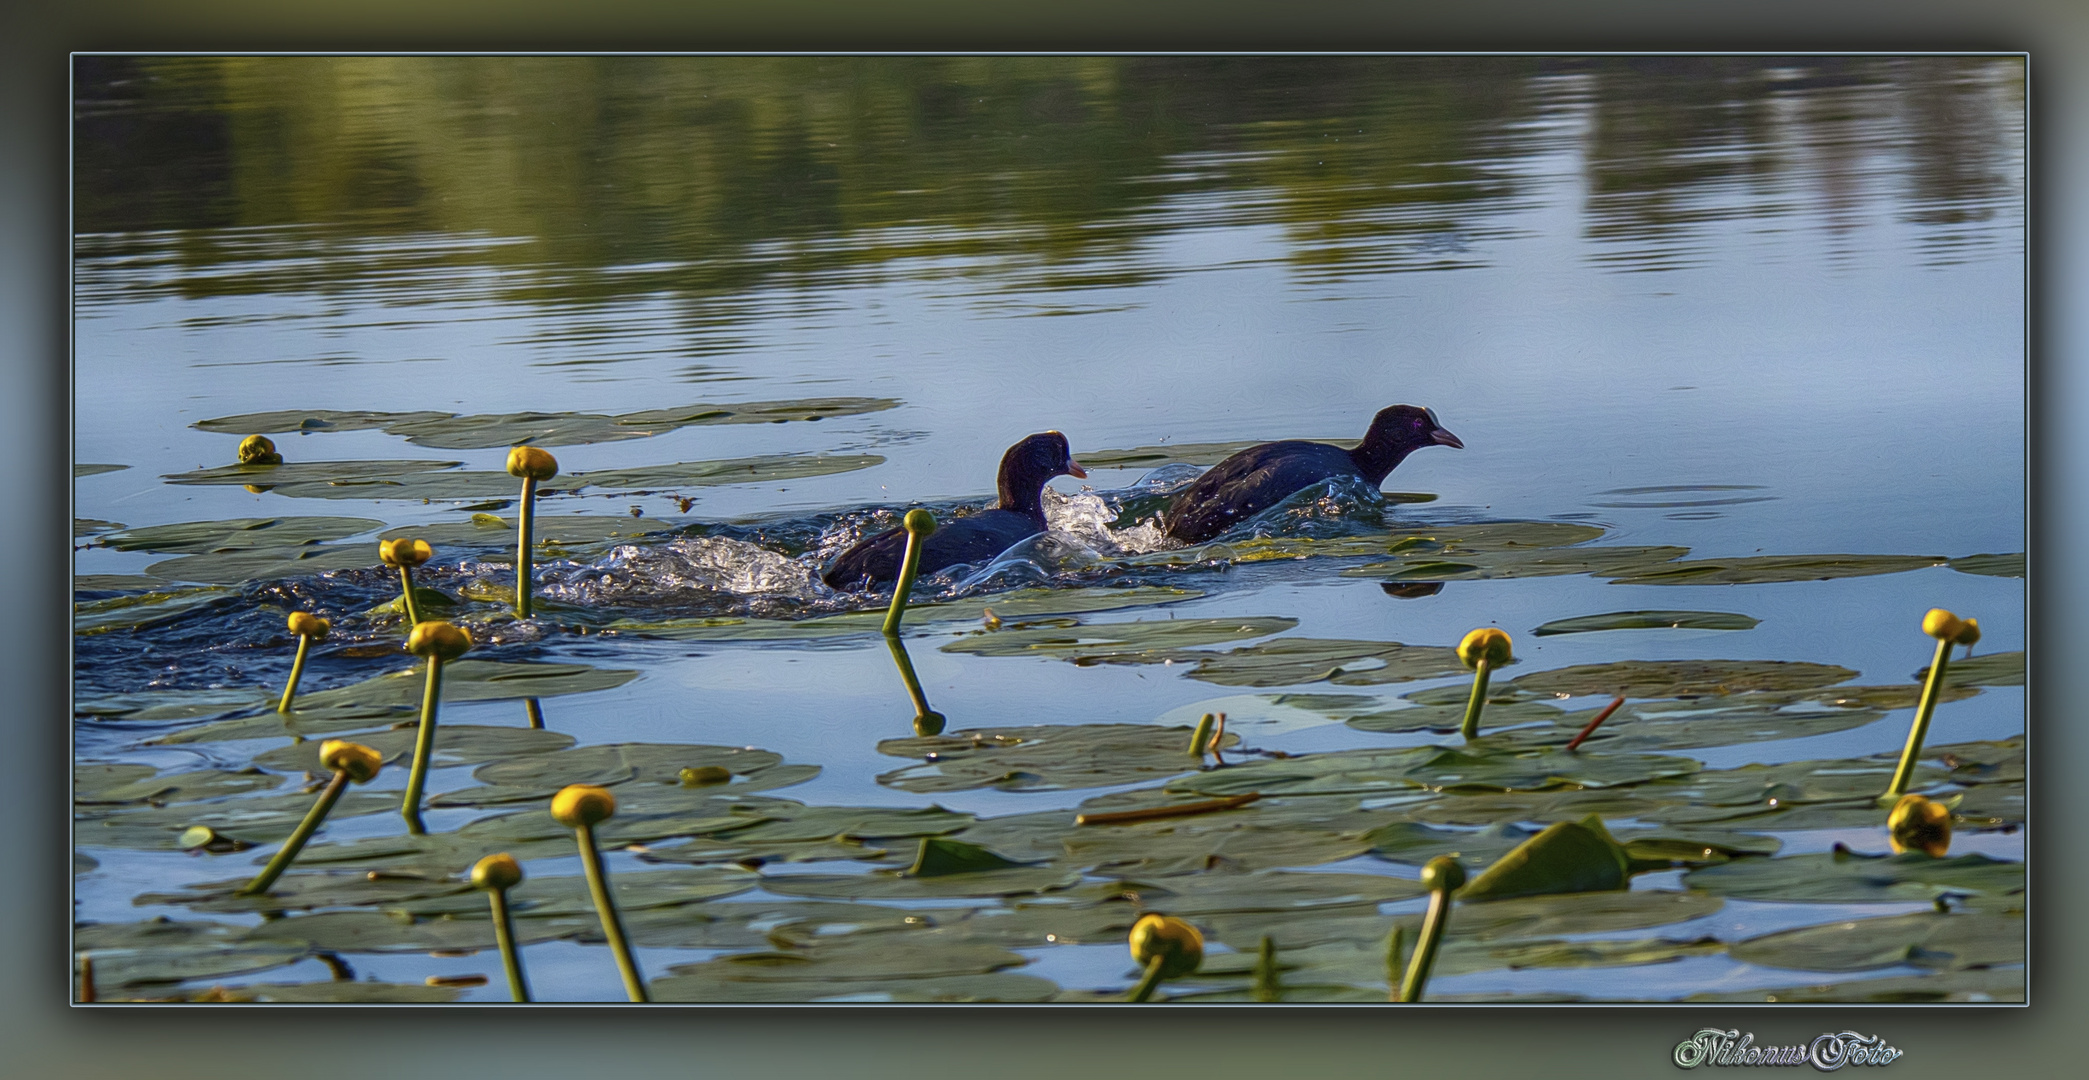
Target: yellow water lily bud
[(919, 522), (1486, 643), (1919, 824), (1177, 942), (532, 464), (258, 450), (1444, 873), (582, 804), (358, 761), (496, 872), (439, 639), (404, 551), (306, 624), (1970, 635), (1943, 625)]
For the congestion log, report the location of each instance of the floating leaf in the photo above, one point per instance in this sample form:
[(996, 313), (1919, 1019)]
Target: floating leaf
[(301, 889), (1774, 568), (1148, 457), (1021, 604), (1042, 757), (917, 954), (1684, 730), (1197, 896), (114, 583), (1144, 642), (752, 470), (1996, 762), (80, 470), (1436, 767), (487, 431), (375, 931), (255, 820), (1291, 661), (335, 992), (1971, 984), (760, 412), (455, 744), (998, 986), (802, 824), (1444, 540), (101, 785), (311, 473), (304, 420), (727, 849), (617, 763), (1923, 939), (1649, 620), (767, 923), (1844, 876), (166, 951), (1248, 839), (881, 885), (263, 564), (1487, 809), (1522, 918), (1446, 718), (1567, 857), (1681, 678), (1990, 565), (238, 534), (90, 526), (137, 611), (472, 680), (937, 856), (1454, 564), (633, 890), (1990, 669)]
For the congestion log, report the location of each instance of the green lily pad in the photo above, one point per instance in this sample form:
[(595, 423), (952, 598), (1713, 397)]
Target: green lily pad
[(308, 420), (84, 863), (359, 706), (472, 680), (1774, 568), (303, 889), (255, 820), (1446, 718), (1021, 604), (999, 986), (263, 564), (487, 431), (238, 534), (313, 472), (748, 778), (1967, 984), (115, 583), (1523, 918), (752, 470), (760, 412), (761, 924), (1566, 857), (92, 469), (792, 823), (540, 896), (1997, 762), (1362, 964), (1028, 926), (1991, 669), (1684, 730), (1681, 678), (91, 526), (455, 744), (1435, 767), (1649, 620), (1291, 661), (1194, 845), (1197, 896), (335, 719), (1991, 807), (1144, 642), (459, 485), (883, 885), (2011, 565), (917, 954), (1443, 540), (1755, 788), (335, 992), (1453, 564), (166, 951), (379, 931), (495, 536), (1844, 876), (1923, 939), (138, 611), (1042, 757), (617, 763), (96, 784), (936, 856), (726, 849), (1148, 457)]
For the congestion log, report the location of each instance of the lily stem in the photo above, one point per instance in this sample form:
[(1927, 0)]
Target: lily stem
[(1470, 728), (504, 936), (528, 517), (1919, 730), (1425, 950), (1201, 737), (423, 749), (909, 565), (605, 906), (1395, 944), (1149, 981), (535, 711), (287, 854), (297, 671), (905, 664), (413, 611)]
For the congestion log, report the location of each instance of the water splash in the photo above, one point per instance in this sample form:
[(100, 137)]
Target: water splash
[(638, 575)]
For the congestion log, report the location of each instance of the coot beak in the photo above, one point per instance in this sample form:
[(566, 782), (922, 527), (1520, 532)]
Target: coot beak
[(1073, 469), (1445, 438)]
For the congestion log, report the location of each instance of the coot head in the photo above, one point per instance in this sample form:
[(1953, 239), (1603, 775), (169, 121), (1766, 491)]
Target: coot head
[(1028, 464), (1396, 432)]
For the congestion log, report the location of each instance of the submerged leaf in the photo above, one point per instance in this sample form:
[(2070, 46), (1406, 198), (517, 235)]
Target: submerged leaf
[(1649, 620), (1462, 564)]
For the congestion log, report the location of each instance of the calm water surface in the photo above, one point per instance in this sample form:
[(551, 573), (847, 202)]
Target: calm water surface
[(1743, 305)]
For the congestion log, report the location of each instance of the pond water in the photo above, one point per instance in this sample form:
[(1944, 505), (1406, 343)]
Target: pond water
[(1740, 306)]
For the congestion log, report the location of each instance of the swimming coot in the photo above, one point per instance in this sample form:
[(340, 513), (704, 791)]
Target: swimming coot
[(975, 538), (1260, 477)]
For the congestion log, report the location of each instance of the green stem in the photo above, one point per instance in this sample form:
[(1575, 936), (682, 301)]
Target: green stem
[(1148, 982), (909, 564), (1269, 986), (612, 926), (1202, 736), (1470, 728), (1395, 944), (288, 852), (522, 547), (413, 612), (504, 936), (1919, 730), (297, 671), (423, 749), (1425, 951), (536, 712), (927, 721)]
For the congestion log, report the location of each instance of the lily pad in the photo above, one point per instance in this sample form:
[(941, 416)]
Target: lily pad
[(1923, 939), (1446, 718), (1291, 661), (998, 986), (263, 564), (1144, 642), (1649, 620), (1968, 984), (486, 431), (1844, 876), (917, 954), (1196, 896), (472, 680), (1148, 457), (455, 744), (97, 784), (302, 889), (1991, 669), (255, 820), (1681, 678), (167, 951), (1524, 918), (377, 931), (883, 885), (458, 485), (306, 473), (495, 536), (1455, 564), (114, 583), (1434, 767), (617, 763), (138, 611), (1443, 540), (334, 992), (1775, 568), (1566, 857), (1685, 730), (1021, 604), (238, 534), (1042, 757), (751, 470), (760, 412), (308, 420), (91, 526), (2011, 565), (95, 469), (1216, 842), (767, 923), (540, 896)]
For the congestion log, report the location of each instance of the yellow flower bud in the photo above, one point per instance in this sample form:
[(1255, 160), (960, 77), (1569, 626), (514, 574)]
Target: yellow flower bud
[(1943, 625), (1970, 635), (496, 872), (306, 624), (531, 463), (582, 804), (919, 522), (439, 639), (1443, 872), (258, 450), (1919, 824), (1486, 643), (1179, 943), (404, 551), (358, 761)]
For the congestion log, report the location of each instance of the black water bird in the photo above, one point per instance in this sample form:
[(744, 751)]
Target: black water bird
[(976, 537), (1260, 477)]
